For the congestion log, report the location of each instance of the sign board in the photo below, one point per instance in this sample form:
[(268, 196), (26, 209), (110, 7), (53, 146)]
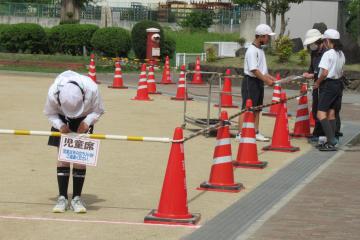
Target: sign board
[(155, 52), (75, 149)]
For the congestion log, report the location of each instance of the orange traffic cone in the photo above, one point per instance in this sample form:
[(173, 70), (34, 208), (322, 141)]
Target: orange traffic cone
[(281, 139), (92, 69), (312, 120), (142, 91), (247, 156), (197, 79), (118, 80), (274, 109), (222, 174), (151, 82), (181, 93), (302, 122), (226, 97), (166, 77), (173, 207)]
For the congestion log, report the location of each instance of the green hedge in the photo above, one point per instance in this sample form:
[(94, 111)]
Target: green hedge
[(169, 46), (112, 42), (2, 26), (71, 38), (23, 37), (139, 37)]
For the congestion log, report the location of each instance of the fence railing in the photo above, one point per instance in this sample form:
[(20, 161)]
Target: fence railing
[(185, 58), (133, 12)]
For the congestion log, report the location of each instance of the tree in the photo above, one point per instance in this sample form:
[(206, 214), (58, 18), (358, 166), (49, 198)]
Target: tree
[(283, 6), (263, 5), (32, 1), (353, 22), (272, 8), (70, 9), (198, 20)]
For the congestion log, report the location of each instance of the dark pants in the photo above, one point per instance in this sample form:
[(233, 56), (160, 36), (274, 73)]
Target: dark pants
[(317, 129), (252, 88), (330, 97), (73, 124)]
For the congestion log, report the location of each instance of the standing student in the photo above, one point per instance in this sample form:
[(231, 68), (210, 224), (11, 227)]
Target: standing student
[(331, 86), (313, 40), (256, 74), (73, 104)]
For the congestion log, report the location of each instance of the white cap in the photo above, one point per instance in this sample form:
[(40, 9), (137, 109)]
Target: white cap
[(264, 29), (71, 100), (331, 34), (312, 36)]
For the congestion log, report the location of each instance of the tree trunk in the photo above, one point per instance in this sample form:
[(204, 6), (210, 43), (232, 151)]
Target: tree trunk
[(267, 12), (283, 25), (69, 10), (273, 21)]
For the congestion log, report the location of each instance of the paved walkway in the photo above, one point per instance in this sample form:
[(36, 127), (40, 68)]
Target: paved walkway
[(327, 208)]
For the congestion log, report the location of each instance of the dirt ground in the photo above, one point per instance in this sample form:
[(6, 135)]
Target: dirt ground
[(127, 182)]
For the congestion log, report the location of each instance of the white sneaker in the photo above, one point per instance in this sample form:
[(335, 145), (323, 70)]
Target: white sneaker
[(77, 205), (61, 205), (238, 137), (261, 138)]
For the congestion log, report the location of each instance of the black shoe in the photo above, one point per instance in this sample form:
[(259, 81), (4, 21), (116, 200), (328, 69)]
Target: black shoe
[(339, 134), (327, 147)]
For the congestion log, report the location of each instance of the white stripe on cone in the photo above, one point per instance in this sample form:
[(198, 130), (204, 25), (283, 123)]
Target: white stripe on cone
[(303, 106), (222, 142), (142, 80), (277, 91), (151, 80), (247, 140), (302, 118), (220, 160), (248, 125), (277, 99), (92, 74), (142, 87), (118, 76), (181, 85)]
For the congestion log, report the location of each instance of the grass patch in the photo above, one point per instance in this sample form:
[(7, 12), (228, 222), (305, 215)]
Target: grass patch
[(32, 69), (193, 42), (273, 64), (238, 62), (44, 58)]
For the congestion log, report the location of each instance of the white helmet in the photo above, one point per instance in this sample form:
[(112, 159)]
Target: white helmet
[(264, 29), (312, 36), (331, 34), (71, 100)]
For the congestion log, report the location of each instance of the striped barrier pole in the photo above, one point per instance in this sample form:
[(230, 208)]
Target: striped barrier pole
[(93, 136)]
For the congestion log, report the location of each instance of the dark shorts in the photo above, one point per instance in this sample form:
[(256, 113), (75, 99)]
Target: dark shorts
[(330, 95), (252, 88), (73, 125)]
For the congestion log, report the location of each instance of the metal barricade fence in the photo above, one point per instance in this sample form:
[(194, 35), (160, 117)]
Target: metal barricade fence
[(207, 121), (185, 58)]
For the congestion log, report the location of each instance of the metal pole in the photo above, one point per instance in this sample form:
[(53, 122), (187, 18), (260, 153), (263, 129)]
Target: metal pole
[(208, 105), (93, 136)]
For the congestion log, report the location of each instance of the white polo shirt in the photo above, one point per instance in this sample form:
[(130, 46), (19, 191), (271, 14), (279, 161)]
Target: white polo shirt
[(93, 106), (333, 61), (254, 59)]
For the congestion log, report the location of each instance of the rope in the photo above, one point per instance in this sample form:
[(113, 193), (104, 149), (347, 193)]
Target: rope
[(256, 108)]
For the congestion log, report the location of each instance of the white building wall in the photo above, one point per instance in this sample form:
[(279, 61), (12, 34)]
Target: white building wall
[(303, 16)]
